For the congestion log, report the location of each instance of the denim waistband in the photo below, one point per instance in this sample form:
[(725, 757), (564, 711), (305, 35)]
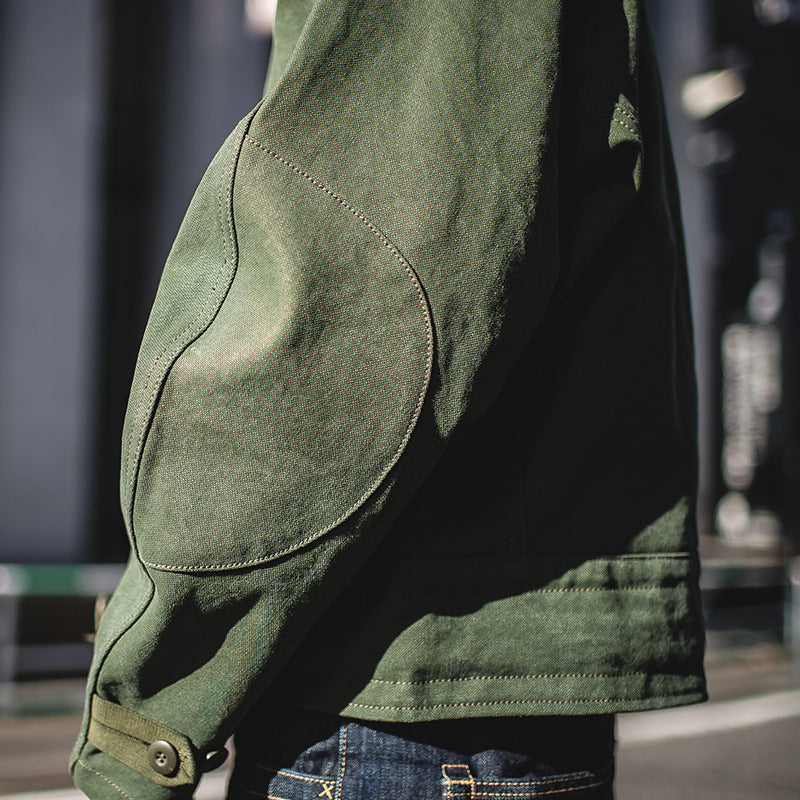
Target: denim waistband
[(297, 755)]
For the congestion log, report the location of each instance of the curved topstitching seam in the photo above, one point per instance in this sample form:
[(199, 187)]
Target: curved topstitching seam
[(225, 217), (428, 322)]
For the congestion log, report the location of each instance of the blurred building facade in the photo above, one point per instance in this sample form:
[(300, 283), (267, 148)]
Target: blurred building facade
[(109, 114), (748, 145)]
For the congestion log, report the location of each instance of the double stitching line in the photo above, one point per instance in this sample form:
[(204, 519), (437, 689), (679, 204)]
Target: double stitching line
[(625, 113), (289, 774), (100, 774), (343, 764), (528, 789), (628, 127), (511, 784), (327, 785), (225, 217), (449, 782), (563, 790), (509, 678)]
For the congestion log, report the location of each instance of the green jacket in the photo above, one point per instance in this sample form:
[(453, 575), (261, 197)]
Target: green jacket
[(412, 428)]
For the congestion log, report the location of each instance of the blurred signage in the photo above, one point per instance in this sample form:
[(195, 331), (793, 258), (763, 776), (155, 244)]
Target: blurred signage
[(745, 102), (751, 391)]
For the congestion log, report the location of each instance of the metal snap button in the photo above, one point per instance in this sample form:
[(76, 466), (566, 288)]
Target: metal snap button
[(162, 757)]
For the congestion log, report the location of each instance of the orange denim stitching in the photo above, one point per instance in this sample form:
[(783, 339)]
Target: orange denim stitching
[(289, 774), (450, 782), (542, 794), (625, 113), (327, 784), (343, 764), (538, 782)]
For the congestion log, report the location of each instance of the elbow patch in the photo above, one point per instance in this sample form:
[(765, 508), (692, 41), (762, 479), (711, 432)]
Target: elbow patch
[(283, 370)]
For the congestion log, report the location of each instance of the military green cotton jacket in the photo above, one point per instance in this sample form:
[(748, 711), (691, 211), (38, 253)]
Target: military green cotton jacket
[(412, 428)]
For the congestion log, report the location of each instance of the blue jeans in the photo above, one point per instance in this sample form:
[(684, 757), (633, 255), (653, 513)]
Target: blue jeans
[(303, 756)]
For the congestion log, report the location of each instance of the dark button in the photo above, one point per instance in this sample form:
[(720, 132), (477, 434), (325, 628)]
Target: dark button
[(163, 757)]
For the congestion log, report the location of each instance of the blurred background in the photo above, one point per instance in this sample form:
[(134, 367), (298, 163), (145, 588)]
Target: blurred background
[(109, 113)]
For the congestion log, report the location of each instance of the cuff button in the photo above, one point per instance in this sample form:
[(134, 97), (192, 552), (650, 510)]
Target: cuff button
[(162, 757)]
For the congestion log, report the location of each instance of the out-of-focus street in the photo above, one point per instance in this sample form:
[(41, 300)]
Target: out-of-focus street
[(753, 763), (740, 746)]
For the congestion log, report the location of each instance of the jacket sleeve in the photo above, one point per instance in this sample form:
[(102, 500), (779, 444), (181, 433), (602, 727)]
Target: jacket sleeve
[(363, 262)]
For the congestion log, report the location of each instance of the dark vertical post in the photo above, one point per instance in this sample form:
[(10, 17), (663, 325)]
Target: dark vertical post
[(181, 74), (137, 39)]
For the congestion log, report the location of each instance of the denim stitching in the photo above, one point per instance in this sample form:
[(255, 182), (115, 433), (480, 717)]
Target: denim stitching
[(513, 784), (563, 790), (327, 784), (625, 113), (450, 782), (100, 774), (342, 765), (475, 786), (428, 322), (509, 784), (289, 774)]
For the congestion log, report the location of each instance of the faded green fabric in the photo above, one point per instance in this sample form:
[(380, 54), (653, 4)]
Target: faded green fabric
[(412, 429), (127, 736)]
